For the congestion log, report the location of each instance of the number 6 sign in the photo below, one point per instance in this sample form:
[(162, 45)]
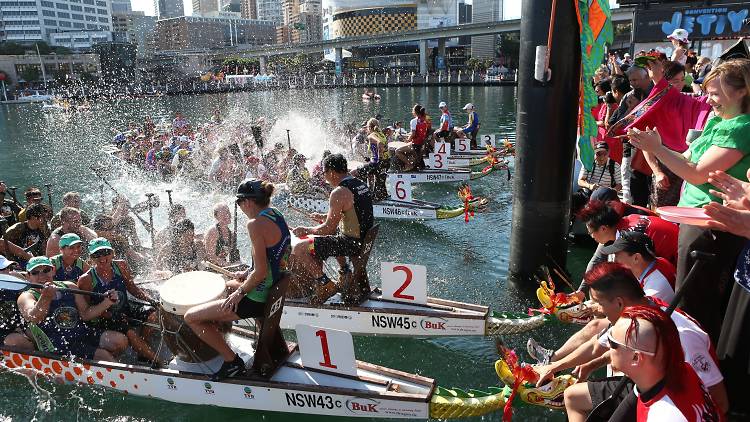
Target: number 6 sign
[(404, 282), (326, 349), (400, 190)]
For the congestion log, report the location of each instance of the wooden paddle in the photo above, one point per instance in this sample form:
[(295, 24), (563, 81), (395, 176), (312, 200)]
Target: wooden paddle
[(218, 269), (10, 283), (604, 410)]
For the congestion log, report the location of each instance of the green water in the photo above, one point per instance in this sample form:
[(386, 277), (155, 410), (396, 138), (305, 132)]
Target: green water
[(466, 262)]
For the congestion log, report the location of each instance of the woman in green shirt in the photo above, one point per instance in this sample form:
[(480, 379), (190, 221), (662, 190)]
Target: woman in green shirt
[(723, 146)]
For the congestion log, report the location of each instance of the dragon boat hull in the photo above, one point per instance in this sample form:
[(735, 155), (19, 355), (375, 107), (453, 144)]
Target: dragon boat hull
[(374, 392), (379, 316), (386, 209)]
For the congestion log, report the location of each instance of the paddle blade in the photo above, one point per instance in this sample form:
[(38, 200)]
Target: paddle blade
[(8, 282)]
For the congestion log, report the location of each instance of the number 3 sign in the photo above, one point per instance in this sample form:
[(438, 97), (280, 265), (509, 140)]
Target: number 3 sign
[(488, 140), (404, 282), (326, 349)]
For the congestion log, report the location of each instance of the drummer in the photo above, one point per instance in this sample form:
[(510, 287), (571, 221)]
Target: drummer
[(271, 240), (108, 274)]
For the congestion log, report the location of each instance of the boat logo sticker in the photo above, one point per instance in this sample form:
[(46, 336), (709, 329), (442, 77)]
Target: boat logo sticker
[(433, 323), (276, 306), (65, 317), (249, 393), (208, 388), (170, 384), (361, 405)]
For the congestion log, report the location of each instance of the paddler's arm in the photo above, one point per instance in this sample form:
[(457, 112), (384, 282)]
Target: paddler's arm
[(14, 250), (260, 262), (130, 285), (89, 312), (53, 247), (585, 353), (337, 201), (33, 310)]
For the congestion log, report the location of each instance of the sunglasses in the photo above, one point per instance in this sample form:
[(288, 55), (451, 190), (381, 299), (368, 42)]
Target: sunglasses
[(46, 270), (601, 153), (99, 254), (614, 345)]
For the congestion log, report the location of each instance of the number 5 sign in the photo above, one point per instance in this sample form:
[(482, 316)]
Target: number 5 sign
[(400, 190), (326, 349), (404, 282), (463, 145)]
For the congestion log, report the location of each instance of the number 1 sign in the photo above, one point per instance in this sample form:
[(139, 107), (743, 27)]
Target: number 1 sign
[(404, 282), (326, 349)]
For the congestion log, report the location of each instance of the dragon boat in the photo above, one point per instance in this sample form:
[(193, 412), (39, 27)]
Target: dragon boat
[(394, 209)]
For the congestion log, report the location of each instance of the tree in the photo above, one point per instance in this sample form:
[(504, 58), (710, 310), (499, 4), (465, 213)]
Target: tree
[(11, 48), (30, 74)]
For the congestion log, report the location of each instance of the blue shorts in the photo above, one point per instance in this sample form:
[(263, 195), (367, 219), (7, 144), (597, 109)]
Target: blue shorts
[(468, 130)]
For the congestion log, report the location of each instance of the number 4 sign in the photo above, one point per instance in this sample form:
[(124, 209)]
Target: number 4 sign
[(326, 349), (443, 148), (404, 282)]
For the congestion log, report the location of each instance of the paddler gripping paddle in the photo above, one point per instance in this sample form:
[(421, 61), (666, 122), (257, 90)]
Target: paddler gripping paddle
[(10, 283), (605, 409)]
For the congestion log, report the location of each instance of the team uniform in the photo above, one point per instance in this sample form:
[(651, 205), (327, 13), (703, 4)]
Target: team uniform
[(418, 138), (354, 225), (658, 279), (253, 303), (446, 125), (124, 314), (62, 330), (688, 402), (662, 233), (63, 273)]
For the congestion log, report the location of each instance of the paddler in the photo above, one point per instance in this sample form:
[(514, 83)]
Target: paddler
[(182, 253), (269, 235), (446, 123), (472, 126), (10, 318), (68, 264), (124, 316), (70, 222), (56, 317), (349, 218), (32, 233), (379, 160), (417, 139), (298, 179), (219, 239)]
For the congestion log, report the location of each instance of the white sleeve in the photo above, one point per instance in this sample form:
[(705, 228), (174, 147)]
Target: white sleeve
[(698, 354), (665, 410), (656, 285), (603, 338), (618, 176), (413, 124)]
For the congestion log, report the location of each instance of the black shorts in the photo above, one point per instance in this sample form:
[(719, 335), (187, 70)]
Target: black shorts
[(600, 390), (248, 308), (325, 247), (135, 315), (443, 133)]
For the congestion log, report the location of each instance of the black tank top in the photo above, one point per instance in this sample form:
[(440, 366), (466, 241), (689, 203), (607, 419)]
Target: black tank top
[(362, 206)]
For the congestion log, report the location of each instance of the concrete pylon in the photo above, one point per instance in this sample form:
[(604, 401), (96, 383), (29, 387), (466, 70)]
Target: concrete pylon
[(263, 65), (423, 57)]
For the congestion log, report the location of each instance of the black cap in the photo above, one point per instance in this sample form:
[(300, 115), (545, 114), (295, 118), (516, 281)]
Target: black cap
[(604, 194), (250, 188), (601, 145), (632, 242), (335, 162)]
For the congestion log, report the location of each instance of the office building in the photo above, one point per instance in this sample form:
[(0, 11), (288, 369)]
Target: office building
[(68, 23), (269, 10), (121, 6), (484, 47), (169, 8), (135, 28), (203, 7), (206, 33), (248, 9)]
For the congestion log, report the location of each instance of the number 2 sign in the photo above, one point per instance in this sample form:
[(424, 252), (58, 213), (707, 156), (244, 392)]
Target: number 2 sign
[(326, 349), (404, 282)]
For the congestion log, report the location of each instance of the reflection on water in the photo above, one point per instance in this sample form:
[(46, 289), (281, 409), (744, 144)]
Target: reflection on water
[(466, 262)]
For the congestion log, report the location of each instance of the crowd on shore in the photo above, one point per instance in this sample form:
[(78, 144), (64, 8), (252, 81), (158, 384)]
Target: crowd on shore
[(673, 131)]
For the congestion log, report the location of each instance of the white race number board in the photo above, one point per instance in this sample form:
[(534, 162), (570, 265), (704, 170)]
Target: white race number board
[(463, 145), (326, 349), (400, 190), (438, 161), (488, 139), (443, 148), (404, 282)]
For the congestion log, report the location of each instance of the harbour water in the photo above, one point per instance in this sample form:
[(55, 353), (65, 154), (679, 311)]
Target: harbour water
[(465, 261)]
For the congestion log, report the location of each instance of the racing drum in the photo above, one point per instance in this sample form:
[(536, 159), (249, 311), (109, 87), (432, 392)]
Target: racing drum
[(180, 293)]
